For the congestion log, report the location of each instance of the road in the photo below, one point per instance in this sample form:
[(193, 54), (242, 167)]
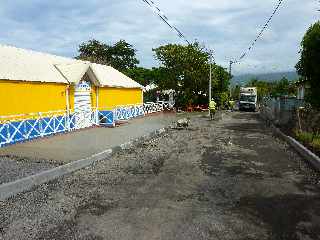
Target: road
[(223, 179)]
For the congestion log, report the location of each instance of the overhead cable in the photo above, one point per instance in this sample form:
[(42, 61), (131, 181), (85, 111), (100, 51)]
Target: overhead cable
[(165, 19), (265, 26)]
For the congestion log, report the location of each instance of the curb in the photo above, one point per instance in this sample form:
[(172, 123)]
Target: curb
[(11, 189), (312, 158)]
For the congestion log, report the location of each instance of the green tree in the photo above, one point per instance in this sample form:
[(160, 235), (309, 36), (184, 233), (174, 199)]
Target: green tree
[(144, 76), (235, 92), (282, 87), (264, 88), (308, 65), (186, 70), (121, 55)]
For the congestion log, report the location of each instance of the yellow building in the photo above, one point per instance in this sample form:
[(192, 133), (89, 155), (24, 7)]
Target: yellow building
[(42, 94)]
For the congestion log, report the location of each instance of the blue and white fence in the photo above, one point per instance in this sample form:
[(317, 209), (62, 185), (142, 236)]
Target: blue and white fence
[(24, 127), (128, 112)]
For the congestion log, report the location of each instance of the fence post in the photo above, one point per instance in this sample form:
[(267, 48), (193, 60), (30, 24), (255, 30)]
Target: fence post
[(25, 129), (66, 123), (40, 124), (97, 117), (54, 123), (8, 133)]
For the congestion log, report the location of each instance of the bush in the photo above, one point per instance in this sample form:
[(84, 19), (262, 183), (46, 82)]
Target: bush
[(316, 143), (304, 137), (309, 139), (222, 99)]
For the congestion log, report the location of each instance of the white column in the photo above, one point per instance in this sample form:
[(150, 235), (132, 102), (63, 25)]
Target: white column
[(97, 105), (68, 108)]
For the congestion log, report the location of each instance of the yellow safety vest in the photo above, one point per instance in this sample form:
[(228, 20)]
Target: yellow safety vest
[(212, 105)]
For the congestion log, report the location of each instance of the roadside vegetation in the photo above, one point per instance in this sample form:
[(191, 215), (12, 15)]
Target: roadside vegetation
[(309, 64), (183, 69), (310, 140), (282, 87), (309, 68)]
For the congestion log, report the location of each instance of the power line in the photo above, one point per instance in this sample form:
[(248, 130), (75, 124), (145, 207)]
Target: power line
[(265, 26), (165, 19)]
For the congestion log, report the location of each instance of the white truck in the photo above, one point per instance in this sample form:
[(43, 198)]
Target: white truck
[(248, 99)]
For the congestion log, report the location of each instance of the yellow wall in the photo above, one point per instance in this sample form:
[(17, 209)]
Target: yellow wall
[(71, 97), (17, 97), (112, 97), (94, 96)]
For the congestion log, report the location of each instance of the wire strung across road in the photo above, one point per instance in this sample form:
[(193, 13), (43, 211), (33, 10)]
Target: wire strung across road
[(260, 33), (164, 18)]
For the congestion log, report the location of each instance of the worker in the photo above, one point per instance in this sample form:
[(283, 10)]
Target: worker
[(212, 108), (231, 105)]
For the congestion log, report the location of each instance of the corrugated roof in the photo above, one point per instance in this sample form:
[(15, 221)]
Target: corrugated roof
[(26, 65), (108, 76), (73, 72)]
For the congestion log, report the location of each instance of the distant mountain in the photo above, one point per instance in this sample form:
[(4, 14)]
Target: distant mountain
[(243, 79)]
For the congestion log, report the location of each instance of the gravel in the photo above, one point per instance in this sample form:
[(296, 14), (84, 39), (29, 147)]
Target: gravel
[(14, 168), (227, 179)]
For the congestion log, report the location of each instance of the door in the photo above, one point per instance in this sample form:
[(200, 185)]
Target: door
[(82, 105)]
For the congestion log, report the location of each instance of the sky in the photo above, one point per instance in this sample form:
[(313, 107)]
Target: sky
[(226, 26)]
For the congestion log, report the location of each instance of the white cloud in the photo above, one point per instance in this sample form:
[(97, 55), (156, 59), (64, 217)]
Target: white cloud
[(228, 26)]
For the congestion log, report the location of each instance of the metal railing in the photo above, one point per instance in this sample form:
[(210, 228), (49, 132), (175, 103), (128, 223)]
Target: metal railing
[(23, 127), (281, 111), (151, 107)]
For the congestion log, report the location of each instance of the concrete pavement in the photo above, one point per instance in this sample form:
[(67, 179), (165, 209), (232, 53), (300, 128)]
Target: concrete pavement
[(29, 158), (64, 148)]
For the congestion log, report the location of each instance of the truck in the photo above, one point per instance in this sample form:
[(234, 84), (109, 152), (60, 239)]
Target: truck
[(248, 99)]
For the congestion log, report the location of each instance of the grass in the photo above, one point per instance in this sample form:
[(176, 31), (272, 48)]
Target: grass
[(316, 143), (309, 139)]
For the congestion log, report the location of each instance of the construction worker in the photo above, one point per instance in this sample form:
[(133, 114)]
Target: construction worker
[(231, 105), (212, 108)]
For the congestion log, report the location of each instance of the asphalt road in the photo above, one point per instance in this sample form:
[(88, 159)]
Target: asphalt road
[(222, 179)]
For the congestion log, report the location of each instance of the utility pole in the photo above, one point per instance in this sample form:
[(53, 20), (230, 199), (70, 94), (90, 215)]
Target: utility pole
[(230, 67), (230, 74), (210, 77)]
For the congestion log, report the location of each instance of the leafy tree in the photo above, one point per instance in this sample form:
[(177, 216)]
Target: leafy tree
[(235, 92), (264, 88), (144, 76), (308, 65), (121, 55), (282, 87), (186, 70)]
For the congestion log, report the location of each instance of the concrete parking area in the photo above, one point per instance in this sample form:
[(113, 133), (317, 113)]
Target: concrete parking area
[(27, 158), (227, 179)]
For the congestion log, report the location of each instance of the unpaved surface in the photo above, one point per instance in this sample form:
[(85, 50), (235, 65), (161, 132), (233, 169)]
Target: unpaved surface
[(14, 168), (227, 179)]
